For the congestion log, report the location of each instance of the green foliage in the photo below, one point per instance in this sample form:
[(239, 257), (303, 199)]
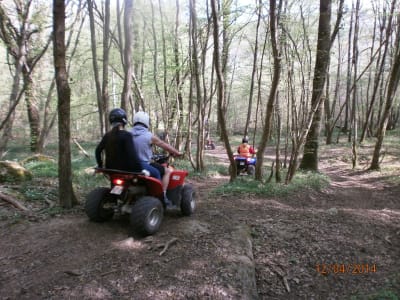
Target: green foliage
[(247, 185), (15, 218), (385, 295), (39, 190), (42, 168), (388, 293), (32, 193), (53, 211)]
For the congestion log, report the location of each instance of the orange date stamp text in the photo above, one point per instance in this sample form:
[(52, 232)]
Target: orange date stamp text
[(352, 269)]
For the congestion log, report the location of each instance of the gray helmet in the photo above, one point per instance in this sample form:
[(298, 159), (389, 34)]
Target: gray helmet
[(117, 115), (245, 139), (141, 117)]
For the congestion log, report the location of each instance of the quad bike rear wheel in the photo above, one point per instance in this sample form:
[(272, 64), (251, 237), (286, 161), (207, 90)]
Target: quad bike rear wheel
[(96, 205), (146, 215), (251, 170), (188, 203)]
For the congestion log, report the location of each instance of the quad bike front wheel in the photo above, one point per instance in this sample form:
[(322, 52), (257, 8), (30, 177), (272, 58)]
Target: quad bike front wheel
[(98, 206), (188, 203), (146, 215)]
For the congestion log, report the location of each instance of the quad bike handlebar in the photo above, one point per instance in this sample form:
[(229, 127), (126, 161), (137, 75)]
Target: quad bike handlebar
[(163, 158)]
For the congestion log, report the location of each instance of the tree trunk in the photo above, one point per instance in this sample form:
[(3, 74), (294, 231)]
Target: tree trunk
[(126, 92), (66, 193), (253, 73), (220, 82), (381, 63), (106, 53), (33, 112), (394, 79), (278, 176), (273, 21), (17, 36), (354, 118), (310, 153), (96, 67), (196, 73), (15, 96), (178, 80)]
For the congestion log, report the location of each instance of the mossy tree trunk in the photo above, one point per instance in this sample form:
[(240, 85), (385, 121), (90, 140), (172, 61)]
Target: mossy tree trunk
[(310, 152)]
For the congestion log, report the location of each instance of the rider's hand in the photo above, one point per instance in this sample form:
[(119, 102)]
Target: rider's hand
[(176, 154)]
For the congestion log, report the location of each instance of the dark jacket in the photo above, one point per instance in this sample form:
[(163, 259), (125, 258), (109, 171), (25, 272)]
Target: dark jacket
[(120, 153)]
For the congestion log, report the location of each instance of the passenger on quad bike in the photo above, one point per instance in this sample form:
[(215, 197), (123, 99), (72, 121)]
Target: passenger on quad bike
[(143, 140), (120, 153)]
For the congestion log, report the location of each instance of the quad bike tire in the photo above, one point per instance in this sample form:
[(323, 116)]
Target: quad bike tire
[(251, 170), (146, 216), (94, 205), (188, 202)]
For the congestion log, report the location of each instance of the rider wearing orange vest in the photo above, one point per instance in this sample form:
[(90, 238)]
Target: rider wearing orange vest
[(245, 149)]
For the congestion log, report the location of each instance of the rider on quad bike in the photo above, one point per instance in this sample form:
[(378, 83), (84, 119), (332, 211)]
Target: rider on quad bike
[(144, 140), (120, 153), (245, 162), (245, 149)]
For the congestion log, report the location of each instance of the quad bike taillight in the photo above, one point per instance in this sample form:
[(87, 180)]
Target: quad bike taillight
[(118, 181)]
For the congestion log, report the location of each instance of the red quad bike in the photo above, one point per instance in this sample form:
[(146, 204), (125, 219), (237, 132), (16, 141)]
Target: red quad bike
[(139, 196)]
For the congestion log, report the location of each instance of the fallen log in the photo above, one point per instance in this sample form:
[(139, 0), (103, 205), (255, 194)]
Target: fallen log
[(13, 202)]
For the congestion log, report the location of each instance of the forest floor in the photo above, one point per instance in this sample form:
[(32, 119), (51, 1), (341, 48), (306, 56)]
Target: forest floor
[(339, 243)]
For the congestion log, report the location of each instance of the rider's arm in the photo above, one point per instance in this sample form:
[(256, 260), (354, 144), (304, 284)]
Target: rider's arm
[(167, 147), (99, 149)]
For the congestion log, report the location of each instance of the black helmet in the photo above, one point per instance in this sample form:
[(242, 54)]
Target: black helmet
[(117, 115), (245, 139)]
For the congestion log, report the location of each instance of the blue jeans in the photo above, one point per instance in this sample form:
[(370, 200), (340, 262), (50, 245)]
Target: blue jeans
[(154, 172)]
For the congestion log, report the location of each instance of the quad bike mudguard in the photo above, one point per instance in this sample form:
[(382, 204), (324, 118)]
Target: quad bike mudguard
[(153, 185)]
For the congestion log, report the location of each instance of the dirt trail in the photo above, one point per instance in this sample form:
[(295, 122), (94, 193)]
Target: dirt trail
[(354, 222)]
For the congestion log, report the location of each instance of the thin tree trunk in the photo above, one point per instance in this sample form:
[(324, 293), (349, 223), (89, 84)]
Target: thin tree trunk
[(49, 118), (96, 67), (66, 193), (106, 54), (394, 79), (273, 22), (220, 82), (278, 176), (178, 80), (380, 69), (126, 92), (354, 100), (253, 73)]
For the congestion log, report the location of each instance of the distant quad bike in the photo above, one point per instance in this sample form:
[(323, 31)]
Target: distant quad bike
[(245, 165), (139, 196), (209, 145)]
